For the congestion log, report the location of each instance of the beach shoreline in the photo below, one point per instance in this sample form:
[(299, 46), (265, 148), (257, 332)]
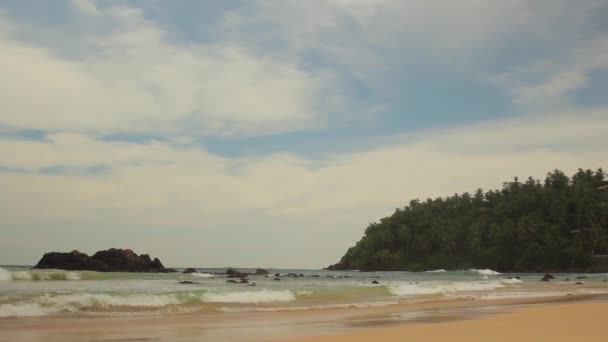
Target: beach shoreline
[(356, 324)]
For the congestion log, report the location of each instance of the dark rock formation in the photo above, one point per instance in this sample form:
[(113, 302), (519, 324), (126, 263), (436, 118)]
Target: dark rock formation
[(111, 260), (375, 282), (277, 279), (231, 281), (582, 277), (578, 283), (244, 281), (235, 274), (186, 282), (190, 270), (261, 271), (547, 277)]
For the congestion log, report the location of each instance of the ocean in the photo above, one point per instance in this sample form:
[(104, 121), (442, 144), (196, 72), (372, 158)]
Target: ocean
[(27, 293)]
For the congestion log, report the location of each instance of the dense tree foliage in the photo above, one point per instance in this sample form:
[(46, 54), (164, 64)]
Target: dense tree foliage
[(555, 225)]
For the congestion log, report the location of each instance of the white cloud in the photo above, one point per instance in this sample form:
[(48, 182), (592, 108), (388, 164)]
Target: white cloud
[(282, 197), (134, 79)]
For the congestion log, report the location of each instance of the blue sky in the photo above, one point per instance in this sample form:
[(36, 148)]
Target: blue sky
[(290, 120)]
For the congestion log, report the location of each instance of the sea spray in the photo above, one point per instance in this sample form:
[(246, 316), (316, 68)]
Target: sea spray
[(434, 288), (484, 272), (5, 275), (202, 275), (250, 297)]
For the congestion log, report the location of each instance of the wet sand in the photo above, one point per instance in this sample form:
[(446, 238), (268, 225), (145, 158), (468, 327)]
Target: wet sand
[(579, 318), (556, 322)]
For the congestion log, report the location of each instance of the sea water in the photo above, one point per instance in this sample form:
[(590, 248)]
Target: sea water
[(25, 292)]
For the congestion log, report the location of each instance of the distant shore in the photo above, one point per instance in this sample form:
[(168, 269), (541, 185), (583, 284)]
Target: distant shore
[(572, 318)]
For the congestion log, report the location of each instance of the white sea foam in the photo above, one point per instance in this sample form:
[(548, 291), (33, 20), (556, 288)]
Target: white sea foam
[(24, 310), (75, 302), (436, 271), (47, 304), (431, 288), (202, 275), (250, 297), (38, 275), (484, 272), (516, 295), (22, 275), (5, 275), (304, 293), (316, 307)]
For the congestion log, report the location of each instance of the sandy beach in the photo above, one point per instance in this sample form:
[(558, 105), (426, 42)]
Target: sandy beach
[(556, 322), (579, 318)]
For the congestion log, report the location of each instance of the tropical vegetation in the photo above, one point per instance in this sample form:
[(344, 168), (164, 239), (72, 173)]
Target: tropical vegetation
[(558, 224)]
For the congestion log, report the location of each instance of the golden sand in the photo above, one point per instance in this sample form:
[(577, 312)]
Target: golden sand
[(555, 322), (567, 319)]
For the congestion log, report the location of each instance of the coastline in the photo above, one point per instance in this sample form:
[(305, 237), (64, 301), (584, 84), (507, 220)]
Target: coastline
[(470, 320)]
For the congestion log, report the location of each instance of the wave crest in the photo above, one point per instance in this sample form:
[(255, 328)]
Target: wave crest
[(250, 297)]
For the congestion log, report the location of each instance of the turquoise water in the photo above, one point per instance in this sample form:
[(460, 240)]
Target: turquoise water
[(25, 292)]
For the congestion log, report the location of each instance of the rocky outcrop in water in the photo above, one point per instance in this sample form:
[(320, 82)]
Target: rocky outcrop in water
[(111, 260), (261, 271)]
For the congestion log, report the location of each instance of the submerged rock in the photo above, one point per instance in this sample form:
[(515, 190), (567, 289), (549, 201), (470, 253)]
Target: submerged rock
[(190, 270), (111, 260), (547, 277), (235, 274)]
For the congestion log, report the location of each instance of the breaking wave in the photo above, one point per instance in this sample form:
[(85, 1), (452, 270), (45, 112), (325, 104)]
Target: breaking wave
[(250, 297), (47, 304), (6, 275), (436, 271), (430, 288), (202, 275), (484, 272)]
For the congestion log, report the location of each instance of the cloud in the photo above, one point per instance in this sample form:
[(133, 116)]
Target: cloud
[(132, 78), (279, 199)]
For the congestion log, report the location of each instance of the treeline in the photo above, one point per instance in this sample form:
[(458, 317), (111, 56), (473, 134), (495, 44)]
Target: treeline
[(531, 226)]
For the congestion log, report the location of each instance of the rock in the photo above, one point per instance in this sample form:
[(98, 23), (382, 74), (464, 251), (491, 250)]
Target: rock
[(277, 279), (547, 277), (231, 281), (578, 283), (277, 274), (261, 271), (375, 282), (190, 270), (235, 274), (252, 284), (316, 276), (300, 275), (111, 260), (581, 277), (567, 279), (186, 282), (244, 281)]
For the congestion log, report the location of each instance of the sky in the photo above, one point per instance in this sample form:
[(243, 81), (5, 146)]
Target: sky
[(271, 133)]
